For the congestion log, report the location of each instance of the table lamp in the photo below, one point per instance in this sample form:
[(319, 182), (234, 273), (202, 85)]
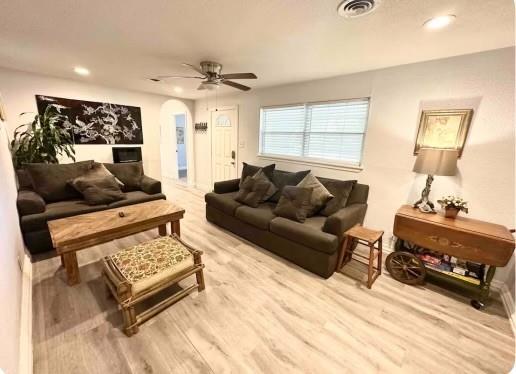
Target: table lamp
[(433, 161)]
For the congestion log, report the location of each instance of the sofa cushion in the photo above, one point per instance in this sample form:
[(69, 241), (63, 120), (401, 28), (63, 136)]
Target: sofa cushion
[(24, 181), (259, 217), (96, 171), (60, 209), (286, 178), (224, 202), (136, 197), (308, 233), (129, 173), (340, 191), (250, 170), (50, 181), (100, 190), (251, 192), (294, 203), (320, 195)]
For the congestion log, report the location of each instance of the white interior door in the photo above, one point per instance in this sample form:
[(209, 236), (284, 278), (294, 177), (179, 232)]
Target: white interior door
[(224, 125)]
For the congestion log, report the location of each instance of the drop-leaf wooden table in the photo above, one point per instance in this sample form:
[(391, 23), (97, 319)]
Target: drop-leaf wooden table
[(464, 238)]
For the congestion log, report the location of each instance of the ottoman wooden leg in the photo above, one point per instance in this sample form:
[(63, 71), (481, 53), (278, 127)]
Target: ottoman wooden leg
[(200, 280), (130, 326)]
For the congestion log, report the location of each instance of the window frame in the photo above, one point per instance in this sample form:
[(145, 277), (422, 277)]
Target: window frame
[(311, 161)]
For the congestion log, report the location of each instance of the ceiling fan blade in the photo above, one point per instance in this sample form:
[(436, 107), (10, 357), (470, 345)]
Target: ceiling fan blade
[(239, 76), (236, 85), (176, 76), (201, 87), (197, 69)]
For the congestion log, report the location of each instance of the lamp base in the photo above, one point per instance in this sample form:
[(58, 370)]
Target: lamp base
[(424, 204)]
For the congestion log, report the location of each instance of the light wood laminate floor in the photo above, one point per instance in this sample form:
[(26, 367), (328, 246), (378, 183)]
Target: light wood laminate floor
[(262, 314)]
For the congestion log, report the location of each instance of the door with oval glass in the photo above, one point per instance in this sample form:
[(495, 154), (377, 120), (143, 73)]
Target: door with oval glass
[(224, 126)]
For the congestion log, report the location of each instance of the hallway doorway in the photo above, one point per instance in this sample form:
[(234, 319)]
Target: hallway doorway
[(182, 165)]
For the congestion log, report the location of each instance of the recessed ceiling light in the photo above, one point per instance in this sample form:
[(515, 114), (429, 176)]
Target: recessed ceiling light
[(81, 71), (178, 89), (439, 22)]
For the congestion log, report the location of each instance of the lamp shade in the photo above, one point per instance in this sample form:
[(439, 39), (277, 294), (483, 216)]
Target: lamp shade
[(434, 161)]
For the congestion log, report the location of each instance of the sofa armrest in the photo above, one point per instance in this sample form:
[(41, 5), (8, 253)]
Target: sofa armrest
[(150, 185), (226, 186), (341, 221), (29, 202)]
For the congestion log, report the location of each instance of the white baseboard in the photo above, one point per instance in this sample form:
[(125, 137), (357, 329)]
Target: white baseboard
[(25, 361)]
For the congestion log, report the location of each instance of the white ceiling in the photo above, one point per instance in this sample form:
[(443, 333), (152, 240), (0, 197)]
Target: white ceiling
[(123, 42)]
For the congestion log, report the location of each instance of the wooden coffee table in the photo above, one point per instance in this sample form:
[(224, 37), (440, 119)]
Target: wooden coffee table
[(85, 230)]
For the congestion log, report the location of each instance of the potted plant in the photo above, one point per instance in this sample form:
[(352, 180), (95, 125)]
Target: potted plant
[(452, 205), (43, 139)]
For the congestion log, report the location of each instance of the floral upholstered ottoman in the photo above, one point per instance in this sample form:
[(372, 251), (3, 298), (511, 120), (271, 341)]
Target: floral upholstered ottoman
[(139, 272)]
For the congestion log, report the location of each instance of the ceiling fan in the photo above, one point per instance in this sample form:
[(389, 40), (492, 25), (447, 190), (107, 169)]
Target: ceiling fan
[(211, 76)]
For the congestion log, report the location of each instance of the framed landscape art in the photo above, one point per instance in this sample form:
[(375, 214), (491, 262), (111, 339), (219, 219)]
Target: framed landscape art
[(446, 129)]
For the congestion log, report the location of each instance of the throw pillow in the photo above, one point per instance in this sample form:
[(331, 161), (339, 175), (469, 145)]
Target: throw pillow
[(340, 191), (50, 181), (286, 178), (250, 170), (320, 194), (96, 191), (260, 176), (98, 170), (294, 203), (251, 192), (129, 173)]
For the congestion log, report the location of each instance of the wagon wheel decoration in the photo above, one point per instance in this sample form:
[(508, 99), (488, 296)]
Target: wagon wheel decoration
[(406, 268)]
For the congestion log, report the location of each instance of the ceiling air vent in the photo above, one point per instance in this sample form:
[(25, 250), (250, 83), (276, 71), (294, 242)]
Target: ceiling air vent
[(357, 8)]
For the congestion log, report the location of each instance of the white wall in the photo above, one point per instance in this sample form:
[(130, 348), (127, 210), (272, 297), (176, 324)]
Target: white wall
[(11, 249), (19, 89), (483, 81)]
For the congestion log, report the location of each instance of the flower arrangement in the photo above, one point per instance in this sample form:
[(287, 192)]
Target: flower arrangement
[(452, 205)]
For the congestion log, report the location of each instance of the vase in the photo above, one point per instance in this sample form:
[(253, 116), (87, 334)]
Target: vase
[(451, 212)]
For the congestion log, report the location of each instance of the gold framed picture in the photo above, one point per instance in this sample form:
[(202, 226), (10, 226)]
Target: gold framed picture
[(445, 129)]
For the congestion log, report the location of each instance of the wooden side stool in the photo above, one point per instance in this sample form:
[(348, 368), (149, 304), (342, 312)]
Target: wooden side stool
[(368, 237), (139, 272)]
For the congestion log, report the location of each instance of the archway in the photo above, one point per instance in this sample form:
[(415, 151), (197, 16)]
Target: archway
[(172, 113)]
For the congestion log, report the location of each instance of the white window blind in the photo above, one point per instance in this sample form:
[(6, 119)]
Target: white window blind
[(319, 131)]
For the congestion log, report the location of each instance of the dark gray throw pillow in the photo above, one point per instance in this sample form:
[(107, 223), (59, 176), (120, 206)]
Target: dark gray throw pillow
[(129, 173), (250, 170), (286, 178), (271, 190), (96, 191), (50, 181), (294, 203), (340, 191), (251, 192)]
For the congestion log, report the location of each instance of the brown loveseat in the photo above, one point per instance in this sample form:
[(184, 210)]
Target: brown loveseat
[(313, 245), (57, 199)]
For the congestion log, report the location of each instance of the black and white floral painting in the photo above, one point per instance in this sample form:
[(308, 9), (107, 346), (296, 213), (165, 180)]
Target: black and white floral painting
[(92, 122)]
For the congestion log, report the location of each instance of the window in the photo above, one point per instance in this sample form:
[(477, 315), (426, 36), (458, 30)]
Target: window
[(329, 131)]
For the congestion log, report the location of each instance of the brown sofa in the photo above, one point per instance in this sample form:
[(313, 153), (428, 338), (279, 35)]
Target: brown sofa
[(313, 245), (35, 210)]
